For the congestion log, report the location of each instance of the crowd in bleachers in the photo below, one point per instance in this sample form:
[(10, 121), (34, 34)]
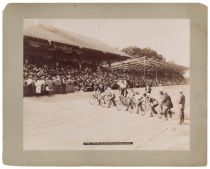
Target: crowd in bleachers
[(60, 79)]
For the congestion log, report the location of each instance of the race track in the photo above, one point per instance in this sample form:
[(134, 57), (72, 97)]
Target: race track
[(64, 122)]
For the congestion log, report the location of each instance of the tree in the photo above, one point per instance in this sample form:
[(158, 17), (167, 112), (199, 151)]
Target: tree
[(138, 52)]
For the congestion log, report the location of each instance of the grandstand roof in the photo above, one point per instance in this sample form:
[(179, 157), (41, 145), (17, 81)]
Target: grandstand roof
[(61, 36), (149, 63)]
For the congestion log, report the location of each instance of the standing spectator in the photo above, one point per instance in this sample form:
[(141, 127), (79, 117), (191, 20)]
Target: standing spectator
[(33, 86), (160, 101), (148, 89), (63, 85), (58, 88), (25, 88), (68, 83), (43, 86), (38, 85), (48, 83), (51, 83), (181, 104), (29, 84)]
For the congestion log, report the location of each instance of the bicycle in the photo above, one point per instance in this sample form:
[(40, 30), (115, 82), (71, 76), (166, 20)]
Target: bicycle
[(141, 105), (132, 106), (94, 99), (145, 106), (106, 100), (122, 102)]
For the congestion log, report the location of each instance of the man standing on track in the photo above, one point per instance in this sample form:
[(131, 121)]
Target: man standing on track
[(153, 104), (166, 105), (160, 101), (181, 103), (148, 89)]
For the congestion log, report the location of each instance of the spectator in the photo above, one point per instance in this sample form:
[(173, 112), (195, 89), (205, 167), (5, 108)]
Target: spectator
[(38, 85), (60, 78), (58, 87), (166, 105), (181, 103)]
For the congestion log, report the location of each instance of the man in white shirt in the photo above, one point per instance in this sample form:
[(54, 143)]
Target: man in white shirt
[(38, 85)]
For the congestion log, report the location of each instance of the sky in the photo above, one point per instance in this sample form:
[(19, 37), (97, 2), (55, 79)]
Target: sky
[(169, 37)]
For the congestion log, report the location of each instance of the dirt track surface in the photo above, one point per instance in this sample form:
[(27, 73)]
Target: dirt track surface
[(65, 122)]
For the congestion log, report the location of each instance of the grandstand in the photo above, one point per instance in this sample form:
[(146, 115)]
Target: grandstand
[(150, 66), (42, 41), (68, 62)]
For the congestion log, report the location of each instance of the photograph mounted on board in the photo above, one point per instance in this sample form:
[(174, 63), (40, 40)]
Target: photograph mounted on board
[(106, 84)]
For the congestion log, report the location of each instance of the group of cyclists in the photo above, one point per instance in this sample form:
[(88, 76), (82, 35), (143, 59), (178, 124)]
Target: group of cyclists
[(128, 98), (133, 101)]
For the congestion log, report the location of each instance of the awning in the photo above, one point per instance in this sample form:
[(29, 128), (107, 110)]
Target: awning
[(150, 64), (61, 36)]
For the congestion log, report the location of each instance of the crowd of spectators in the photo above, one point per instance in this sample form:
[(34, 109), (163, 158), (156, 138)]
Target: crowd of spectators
[(60, 79)]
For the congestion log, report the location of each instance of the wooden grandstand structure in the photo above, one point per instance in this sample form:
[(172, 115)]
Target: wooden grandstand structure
[(146, 65), (44, 41)]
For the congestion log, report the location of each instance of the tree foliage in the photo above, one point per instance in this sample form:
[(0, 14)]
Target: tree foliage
[(138, 52)]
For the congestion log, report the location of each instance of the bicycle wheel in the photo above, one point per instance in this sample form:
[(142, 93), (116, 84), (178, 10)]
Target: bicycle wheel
[(144, 108), (118, 105), (124, 103), (103, 102), (92, 100), (143, 113), (131, 107), (147, 106)]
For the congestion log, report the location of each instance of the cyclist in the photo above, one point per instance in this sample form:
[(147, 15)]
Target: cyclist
[(123, 88), (138, 101), (95, 91), (101, 95), (130, 98), (148, 89), (123, 91), (111, 96)]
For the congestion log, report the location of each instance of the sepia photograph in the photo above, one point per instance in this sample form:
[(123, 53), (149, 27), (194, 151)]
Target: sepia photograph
[(106, 84)]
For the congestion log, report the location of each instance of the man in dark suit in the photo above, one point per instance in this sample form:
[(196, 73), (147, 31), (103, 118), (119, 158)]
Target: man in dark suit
[(167, 105), (181, 104), (153, 104), (148, 88)]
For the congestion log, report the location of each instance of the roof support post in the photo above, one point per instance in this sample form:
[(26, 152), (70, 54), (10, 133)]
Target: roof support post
[(145, 69), (80, 65), (156, 75), (98, 66), (79, 62)]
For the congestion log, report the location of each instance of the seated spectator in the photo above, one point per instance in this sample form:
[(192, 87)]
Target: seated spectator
[(57, 78)]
